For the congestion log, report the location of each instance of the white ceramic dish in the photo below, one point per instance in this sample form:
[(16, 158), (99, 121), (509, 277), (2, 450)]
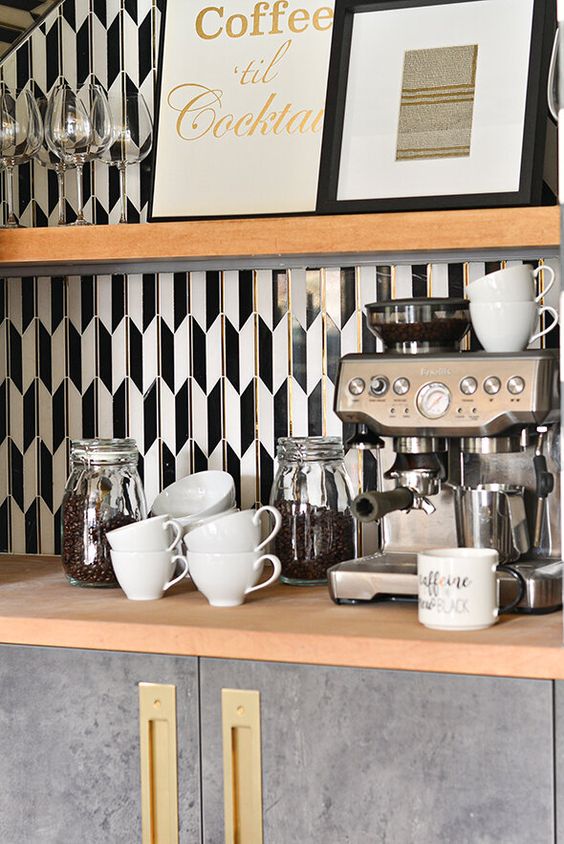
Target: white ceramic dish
[(196, 497)]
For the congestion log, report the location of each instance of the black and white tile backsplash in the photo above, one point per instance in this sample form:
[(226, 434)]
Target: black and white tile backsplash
[(202, 369)]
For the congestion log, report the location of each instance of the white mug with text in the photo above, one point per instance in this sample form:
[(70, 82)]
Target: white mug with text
[(458, 588)]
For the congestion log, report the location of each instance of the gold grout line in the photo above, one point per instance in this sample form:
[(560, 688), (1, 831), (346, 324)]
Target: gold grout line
[(256, 363), (465, 283), (393, 280), (323, 280), (429, 279), (223, 369), (290, 357), (541, 287), (191, 375)]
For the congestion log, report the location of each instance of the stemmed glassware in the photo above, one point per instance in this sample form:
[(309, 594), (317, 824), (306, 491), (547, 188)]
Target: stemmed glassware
[(78, 128), (21, 134), (132, 138), (48, 159)]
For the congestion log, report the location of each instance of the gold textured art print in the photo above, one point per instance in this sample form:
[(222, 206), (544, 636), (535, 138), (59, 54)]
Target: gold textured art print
[(437, 103)]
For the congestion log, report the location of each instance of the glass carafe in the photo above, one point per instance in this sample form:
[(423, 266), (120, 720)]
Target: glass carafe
[(103, 492), (313, 493)]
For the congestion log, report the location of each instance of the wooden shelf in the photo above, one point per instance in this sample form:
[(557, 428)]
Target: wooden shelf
[(282, 241), (280, 624)]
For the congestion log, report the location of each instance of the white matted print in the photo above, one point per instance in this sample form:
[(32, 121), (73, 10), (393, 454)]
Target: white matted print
[(241, 106), (436, 104), (498, 33)]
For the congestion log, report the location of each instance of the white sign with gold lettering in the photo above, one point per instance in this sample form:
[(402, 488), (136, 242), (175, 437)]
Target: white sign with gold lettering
[(240, 109)]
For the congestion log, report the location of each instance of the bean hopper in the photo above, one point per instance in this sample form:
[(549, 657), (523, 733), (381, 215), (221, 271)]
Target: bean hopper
[(468, 452)]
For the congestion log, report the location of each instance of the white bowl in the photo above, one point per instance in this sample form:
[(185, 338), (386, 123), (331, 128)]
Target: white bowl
[(196, 497)]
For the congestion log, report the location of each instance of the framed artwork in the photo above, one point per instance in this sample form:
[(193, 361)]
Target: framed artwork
[(436, 104), (239, 108)]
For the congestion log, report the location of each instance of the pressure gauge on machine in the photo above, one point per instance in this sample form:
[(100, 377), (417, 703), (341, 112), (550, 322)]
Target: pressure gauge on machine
[(433, 400)]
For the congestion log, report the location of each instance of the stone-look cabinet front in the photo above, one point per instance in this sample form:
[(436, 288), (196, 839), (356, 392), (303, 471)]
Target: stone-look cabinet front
[(349, 756)]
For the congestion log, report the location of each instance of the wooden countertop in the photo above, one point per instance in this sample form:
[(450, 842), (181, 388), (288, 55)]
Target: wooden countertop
[(281, 624)]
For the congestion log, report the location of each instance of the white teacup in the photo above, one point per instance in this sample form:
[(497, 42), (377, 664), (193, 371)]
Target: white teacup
[(146, 575), (159, 533), (509, 326), (513, 284), (458, 588), (196, 496), (225, 579), (237, 532)]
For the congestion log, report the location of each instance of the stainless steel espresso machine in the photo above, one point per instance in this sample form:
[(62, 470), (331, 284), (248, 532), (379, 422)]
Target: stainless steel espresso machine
[(470, 454)]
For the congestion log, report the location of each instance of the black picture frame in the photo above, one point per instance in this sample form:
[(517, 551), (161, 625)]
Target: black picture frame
[(530, 190)]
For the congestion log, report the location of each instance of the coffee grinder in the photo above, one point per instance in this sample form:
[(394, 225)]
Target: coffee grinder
[(468, 453)]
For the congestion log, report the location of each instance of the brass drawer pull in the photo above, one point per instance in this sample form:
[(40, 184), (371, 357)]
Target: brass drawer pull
[(242, 769), (159, 774)]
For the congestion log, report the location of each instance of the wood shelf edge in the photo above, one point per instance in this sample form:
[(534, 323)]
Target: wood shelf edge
[(267, 237)]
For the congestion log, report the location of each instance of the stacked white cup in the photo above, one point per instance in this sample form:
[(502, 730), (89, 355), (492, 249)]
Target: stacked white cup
[(144, 557), (224, 555), (505, 309)]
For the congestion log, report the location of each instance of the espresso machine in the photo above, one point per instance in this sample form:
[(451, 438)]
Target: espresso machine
[(467, 448)]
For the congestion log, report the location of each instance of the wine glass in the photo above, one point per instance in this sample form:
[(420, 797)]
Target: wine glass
[(78, 129), (132, 138), (21, 133), (48, 159)]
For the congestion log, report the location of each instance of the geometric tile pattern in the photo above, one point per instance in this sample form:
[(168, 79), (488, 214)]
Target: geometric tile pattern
[(202, 369)]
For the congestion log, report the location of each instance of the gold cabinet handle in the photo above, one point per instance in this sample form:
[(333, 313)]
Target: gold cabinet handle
[(159, 773), (242, 770)]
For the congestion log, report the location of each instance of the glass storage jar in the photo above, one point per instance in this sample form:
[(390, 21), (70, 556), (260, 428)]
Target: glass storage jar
[(313, 492), (103, 492)]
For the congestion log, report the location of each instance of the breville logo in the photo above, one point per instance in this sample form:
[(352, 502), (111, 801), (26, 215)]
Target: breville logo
[(440, 370)]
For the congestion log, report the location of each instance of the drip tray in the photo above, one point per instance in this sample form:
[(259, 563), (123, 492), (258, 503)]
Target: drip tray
[(393, 577), (378, 577)]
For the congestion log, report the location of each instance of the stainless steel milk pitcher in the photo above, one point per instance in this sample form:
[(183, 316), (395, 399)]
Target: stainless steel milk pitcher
[(492, 516)]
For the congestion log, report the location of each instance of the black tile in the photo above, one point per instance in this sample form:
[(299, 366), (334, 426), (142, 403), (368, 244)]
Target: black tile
[(166, 352), (89, 423), (199, 355), (281, 413), (15, 371), (280, 294), (149, 299), (118, 300), (180, 284), (16, 475), (248, 411), (59, 416), (182, 416), (265, 353), (52, 52), (105, 368), (215, 417), (83, 51), (3, 411), (213, 303), (246, 291), (266, 474), (315, 412), (348, 294), (299, 354), (313, 296), (234, 469), (136, 355), (232, 354), (333, 350), (168, 466), (87, 300), (29, 303), (150, 417), (74, 360), (200, 460), (5, 544), (57, 301), (419, 280), (120, 410), (45, 367), (31, 529), (145, 46), (456, 281), (46, 475)]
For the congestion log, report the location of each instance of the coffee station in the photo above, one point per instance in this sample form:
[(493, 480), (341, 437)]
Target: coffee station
[(469, 455)]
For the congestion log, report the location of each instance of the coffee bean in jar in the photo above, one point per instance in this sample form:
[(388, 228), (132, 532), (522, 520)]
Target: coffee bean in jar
[(313, 493), (103, 492)]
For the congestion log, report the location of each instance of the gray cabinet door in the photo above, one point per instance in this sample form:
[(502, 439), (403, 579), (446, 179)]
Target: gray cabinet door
[(69, 744), (355, 756)]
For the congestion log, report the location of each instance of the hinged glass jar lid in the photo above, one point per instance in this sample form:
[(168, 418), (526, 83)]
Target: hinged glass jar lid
[(103, 492), (313, 492)]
